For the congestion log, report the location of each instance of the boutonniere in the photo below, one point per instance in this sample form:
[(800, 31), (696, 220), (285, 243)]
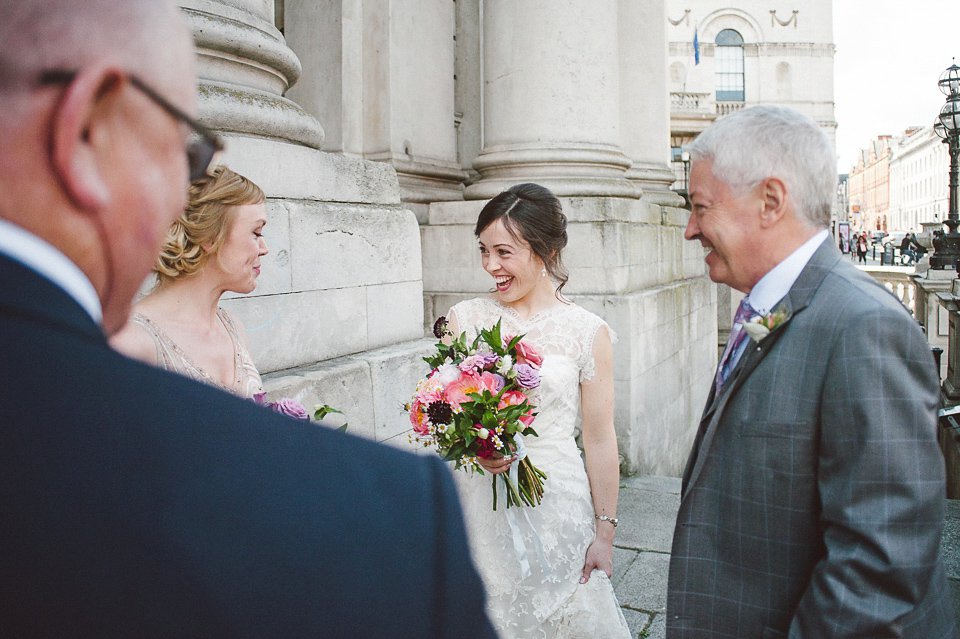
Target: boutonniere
[(762, 325)]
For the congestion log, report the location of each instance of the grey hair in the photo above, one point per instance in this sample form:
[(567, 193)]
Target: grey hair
[(753, 144)]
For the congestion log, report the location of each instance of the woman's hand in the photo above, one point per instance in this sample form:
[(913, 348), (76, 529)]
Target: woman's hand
[(497, 465), (599, 557)]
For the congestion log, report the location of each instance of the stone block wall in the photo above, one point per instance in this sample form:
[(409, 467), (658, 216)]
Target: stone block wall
[(337, 316)]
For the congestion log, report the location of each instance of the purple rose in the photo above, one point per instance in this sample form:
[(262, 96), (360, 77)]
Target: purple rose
[(488, 360), (501, 382), (289, 407), (527, 376)]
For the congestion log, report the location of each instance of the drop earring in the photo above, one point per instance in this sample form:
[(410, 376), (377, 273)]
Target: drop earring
[(543, 272)]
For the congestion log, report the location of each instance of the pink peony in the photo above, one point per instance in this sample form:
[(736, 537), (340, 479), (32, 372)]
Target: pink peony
[(429, 396), (458, 392), (514, 398), (418, 418)]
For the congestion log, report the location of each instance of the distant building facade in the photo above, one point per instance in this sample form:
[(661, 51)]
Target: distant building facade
[(748, 55), (869, 187), (919, 189)]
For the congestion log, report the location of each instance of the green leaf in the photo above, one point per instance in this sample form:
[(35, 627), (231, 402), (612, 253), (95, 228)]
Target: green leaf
[(343, 428), (322, 410), (489, 421)]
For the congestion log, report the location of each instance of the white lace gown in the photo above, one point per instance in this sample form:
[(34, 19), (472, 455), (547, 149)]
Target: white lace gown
[(549, 603)]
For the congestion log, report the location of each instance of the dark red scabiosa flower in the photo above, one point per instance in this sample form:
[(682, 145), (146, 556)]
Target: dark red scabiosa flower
[(440, 327), (439, 413)]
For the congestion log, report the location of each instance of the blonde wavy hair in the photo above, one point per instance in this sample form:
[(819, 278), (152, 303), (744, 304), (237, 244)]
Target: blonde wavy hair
[(206, 221)]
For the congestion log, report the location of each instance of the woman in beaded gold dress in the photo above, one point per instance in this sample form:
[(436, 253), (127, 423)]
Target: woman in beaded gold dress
[(214, 247)]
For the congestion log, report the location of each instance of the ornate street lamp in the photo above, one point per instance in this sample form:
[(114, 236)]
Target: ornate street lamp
[(947, 245)]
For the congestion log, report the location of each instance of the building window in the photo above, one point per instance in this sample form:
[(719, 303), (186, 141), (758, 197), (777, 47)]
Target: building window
[(729, 66)]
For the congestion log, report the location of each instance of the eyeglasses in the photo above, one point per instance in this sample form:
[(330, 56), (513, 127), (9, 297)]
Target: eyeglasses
[(204, 144)]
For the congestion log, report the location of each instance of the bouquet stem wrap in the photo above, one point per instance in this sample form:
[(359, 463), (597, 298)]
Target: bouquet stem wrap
[(519, 546)]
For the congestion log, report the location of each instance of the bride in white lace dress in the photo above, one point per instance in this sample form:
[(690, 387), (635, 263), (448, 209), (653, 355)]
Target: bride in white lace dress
[(566, 592)]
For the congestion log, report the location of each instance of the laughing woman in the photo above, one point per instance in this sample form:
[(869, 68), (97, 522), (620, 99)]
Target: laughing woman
[(566, 593), (214, 247)]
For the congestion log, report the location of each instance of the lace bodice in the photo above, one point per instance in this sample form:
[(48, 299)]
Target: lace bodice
[(562, 329), (171, 357), (549, 603)]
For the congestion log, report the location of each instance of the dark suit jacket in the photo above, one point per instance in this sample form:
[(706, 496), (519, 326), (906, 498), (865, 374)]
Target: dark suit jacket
[(137, 503), (813, 500)]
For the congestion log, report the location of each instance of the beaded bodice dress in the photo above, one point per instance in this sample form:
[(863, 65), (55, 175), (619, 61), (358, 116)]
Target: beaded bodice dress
[(171, 357), (549, 602)]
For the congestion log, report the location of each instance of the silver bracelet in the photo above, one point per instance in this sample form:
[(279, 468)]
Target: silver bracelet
[(612, 520)]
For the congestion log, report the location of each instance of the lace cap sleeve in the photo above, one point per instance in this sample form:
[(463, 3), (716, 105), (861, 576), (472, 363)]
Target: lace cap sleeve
[(588, 366), (469, 315)]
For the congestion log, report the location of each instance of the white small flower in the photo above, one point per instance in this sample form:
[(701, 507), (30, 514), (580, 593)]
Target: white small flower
[(506, 365), (446, 374), (755, 329)]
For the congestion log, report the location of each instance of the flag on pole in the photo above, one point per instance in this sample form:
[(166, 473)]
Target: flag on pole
[(696, 48)]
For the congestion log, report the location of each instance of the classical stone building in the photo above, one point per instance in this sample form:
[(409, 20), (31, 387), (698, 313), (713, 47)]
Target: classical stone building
[(748, 52), (919, 168), (378, 128)]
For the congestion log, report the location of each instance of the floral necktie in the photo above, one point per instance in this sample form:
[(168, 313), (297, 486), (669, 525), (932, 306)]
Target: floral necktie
[(744, 313)]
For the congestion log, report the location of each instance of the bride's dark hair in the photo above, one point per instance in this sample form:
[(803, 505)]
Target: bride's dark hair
[(532, 213)]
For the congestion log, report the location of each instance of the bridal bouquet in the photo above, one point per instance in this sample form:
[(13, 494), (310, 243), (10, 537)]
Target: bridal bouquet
[(474, 404)]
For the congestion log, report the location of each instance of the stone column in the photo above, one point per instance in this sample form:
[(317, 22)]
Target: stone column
[(243, 69), (644, 99), (551, 99), (328, 39), (380, 76)]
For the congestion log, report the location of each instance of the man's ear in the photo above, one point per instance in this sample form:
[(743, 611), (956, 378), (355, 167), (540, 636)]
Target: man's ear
[(81, 127), (773, 191)]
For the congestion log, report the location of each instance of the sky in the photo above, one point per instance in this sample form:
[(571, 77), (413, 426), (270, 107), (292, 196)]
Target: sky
[(890, 54)]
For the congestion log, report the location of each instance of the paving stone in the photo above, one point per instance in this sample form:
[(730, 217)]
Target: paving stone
[(951, 539), (623, 558), (658, 628), (644, 586), (648, 517), (636, 621)]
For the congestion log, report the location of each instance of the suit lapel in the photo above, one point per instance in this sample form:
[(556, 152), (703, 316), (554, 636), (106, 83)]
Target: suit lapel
[(793, 303), (27, 294)]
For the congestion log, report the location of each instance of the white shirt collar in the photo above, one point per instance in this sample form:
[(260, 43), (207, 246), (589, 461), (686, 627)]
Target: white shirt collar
[(774, 286), (39, 255)]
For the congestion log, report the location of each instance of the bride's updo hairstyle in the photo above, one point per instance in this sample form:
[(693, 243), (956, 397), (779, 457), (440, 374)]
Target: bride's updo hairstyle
[(206, 221), (532, 213)]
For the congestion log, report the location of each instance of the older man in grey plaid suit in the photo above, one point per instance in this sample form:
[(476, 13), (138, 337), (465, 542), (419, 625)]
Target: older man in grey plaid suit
[(813, 499)]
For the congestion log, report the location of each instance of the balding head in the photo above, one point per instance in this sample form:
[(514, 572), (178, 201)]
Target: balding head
[(142, 36), (91, 163)]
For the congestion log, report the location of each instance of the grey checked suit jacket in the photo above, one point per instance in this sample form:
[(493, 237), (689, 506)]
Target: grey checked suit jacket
[(813, 499)]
